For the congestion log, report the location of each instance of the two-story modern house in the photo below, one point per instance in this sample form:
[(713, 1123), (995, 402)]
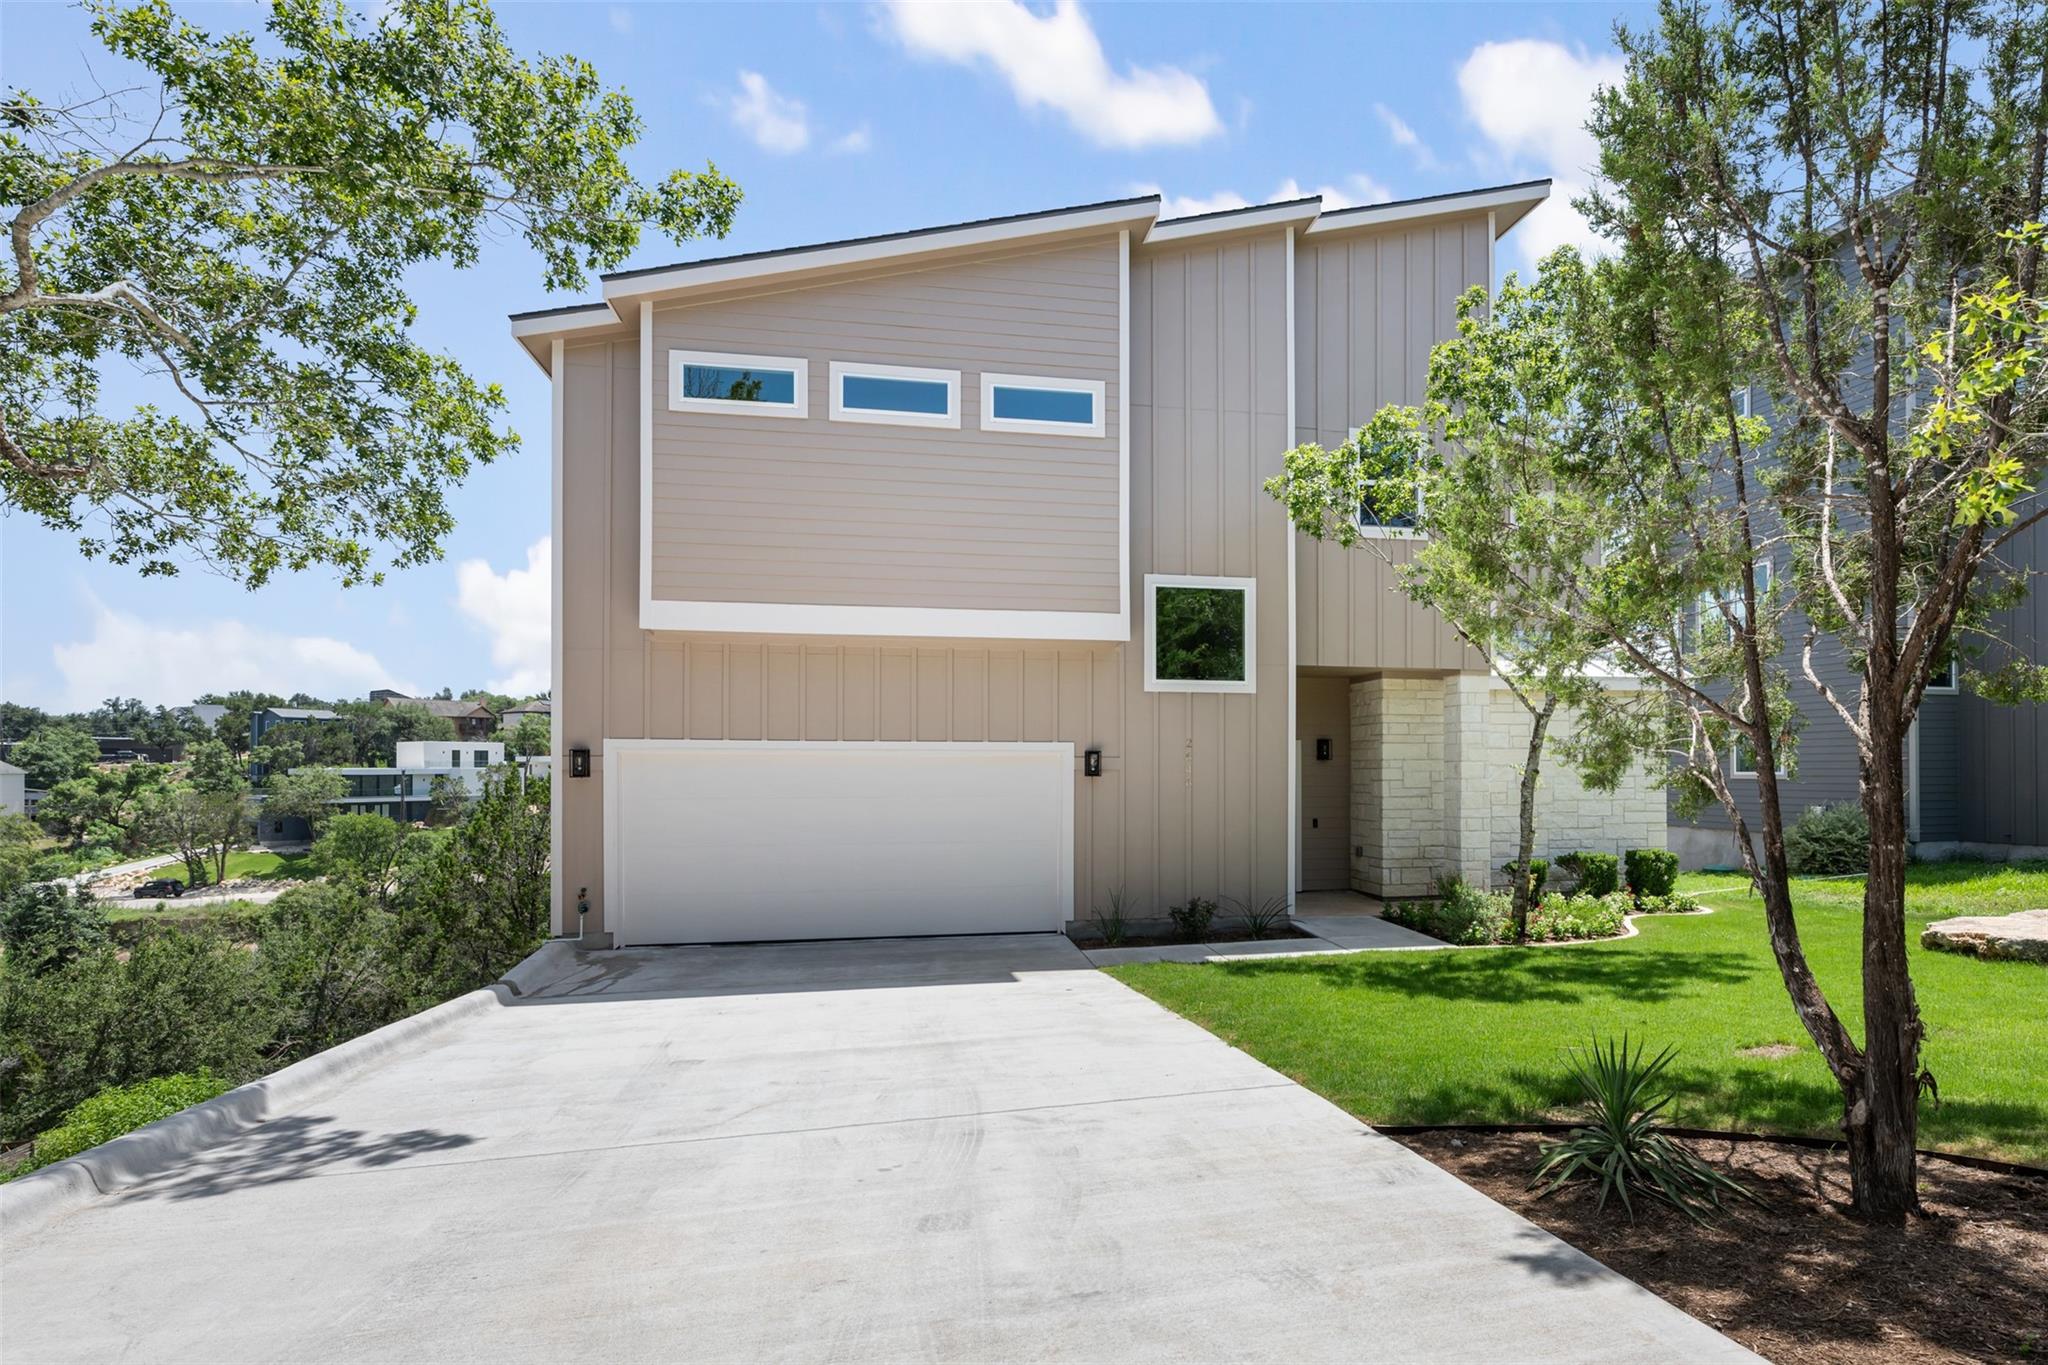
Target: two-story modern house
[(926, 583)]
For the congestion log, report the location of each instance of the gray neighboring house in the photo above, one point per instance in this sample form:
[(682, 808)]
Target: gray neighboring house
[(927, 584), (13, 789), (1974, 770)]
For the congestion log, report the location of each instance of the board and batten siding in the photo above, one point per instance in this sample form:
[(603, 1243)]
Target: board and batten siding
[(2004, 749), (752, 508), (1207, 798), (1368, 308)]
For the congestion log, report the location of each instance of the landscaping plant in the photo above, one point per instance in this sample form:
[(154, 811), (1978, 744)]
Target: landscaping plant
[(1652, 872), (1622, 1149), (1192, 920), (1828, 841), (1263, 918), (1599, 874), (1113, 923), (117, 1110)]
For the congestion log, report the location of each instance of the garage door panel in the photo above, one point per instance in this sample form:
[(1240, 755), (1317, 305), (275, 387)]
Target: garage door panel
[(721, 841)]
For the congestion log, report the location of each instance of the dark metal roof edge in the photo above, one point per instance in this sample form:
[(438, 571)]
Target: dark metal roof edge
[(880, 237), (1433, 198), (1248, 208)]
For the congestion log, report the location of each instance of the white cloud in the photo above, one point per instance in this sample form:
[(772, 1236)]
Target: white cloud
[(853, 142), (127, 656), (1407, 138), (776, 122), (1054, 61), (1355, 189), (1530, 98), (517, 612), (621, 18)]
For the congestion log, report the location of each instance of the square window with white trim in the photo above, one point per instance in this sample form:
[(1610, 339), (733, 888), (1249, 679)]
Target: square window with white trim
[(1742, 759), (1200, 634), (754, 385), (1945, 678), (1065, 407), (1391, 515), (895, 395)]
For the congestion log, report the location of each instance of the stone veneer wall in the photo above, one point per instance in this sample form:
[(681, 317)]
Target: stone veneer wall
[(1435, 787)]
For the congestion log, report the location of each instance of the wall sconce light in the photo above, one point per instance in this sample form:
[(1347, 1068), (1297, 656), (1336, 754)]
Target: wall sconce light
[(579, 763), (1091, 763), (1322, 751)]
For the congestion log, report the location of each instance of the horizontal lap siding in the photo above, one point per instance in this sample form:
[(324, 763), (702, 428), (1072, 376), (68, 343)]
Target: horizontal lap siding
[(769, 509), (1367, 311)]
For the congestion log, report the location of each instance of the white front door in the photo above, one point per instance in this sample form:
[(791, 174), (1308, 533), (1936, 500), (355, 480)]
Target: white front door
[(733, 841)]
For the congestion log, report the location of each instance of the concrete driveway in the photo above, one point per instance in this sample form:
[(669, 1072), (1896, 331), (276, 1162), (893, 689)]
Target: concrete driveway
[(964, 1149)]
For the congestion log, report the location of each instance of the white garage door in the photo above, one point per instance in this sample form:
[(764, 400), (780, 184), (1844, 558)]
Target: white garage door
[(740, 841)]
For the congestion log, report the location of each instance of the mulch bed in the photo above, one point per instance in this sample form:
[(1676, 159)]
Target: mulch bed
[(1801, 1282), (1176, 941)]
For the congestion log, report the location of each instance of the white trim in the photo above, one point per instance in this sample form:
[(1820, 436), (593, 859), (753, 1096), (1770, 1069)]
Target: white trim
[(688, 276), (1294, 851), (804, 618), (557, 769), (1913, 781), (614, 749), (1248, 586), (842, 370), (1235, 220), (798, 366), (1379, 215), (1094, 388), (1734, 748), (554, 324), (1123, 435), (1952, 686)]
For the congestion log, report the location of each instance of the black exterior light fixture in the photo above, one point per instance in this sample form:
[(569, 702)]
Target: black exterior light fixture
[(579, 763), (1323, 750), (1091, 763)]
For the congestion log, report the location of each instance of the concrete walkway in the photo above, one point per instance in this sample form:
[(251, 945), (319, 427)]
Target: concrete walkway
[(964, 1149)]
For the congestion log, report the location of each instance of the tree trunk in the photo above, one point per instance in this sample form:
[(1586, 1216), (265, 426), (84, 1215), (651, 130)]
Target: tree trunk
[(1882, 1111), (1526, 847)]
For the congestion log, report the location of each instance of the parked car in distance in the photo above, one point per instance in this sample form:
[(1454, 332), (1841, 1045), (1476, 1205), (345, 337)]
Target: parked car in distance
[(162, 886)]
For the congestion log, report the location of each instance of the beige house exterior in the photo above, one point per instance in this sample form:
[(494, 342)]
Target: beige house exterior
[(865, 554)]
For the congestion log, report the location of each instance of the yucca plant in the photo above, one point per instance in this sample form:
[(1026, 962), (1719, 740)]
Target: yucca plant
[(1262, 919), (1624, 1149)]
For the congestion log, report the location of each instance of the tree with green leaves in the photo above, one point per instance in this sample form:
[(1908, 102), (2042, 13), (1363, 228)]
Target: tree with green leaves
[(53, 754), (530, 736), (305, 794), (1840, 202), (1523, 387), (485, 893), (203, 825), (239, 234)]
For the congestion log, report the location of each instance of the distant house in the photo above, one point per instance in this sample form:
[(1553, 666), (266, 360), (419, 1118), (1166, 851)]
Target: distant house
[(204, 713), (404, 791), (129, 749), (13, 789), (472, 719), (513, 715), (268, 718)]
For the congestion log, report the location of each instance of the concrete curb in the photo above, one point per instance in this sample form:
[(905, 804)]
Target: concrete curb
[(32, 1201)]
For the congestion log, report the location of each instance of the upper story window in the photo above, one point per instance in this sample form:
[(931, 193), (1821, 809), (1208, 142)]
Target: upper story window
[(1743, 406), (1742, 757), (1392, 514), (1944, 678), (1200, 634), (482, 758), (1018, 402), (896, 395), (759, 385), (455, 758)]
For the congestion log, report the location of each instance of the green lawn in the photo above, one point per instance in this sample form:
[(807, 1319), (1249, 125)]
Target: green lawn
[(262, 865), (1478, 1034)]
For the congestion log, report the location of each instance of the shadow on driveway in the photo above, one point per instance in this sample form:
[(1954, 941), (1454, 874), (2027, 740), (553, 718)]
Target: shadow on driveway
[(292, 1148)]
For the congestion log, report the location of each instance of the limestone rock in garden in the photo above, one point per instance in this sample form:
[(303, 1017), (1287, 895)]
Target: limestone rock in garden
[(2022, 935)]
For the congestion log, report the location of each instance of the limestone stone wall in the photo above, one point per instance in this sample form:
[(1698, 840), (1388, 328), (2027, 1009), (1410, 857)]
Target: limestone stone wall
[(1569, 818), (1435, 787)]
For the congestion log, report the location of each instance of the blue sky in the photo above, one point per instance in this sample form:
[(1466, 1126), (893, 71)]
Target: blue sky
[(837, 120)]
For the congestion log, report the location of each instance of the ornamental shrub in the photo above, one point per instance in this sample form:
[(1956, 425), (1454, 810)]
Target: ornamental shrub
[(116, 1110), (1828, 841), (1192, 920), (1599, 873), (1651, 872)]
